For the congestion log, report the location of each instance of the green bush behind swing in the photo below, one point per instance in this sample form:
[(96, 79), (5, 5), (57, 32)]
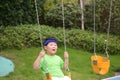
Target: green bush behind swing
[(28, 35)]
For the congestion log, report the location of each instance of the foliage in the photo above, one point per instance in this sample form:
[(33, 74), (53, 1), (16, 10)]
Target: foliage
[(85, 40), (102, 16), (72, 16), (50, 4), (18, 37), (28, 35), (13, 12)]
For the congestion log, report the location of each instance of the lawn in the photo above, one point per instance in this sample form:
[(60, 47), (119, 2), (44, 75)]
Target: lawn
[(79, 64)]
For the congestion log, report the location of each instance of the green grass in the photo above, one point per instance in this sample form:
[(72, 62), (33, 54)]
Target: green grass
[(79, 64)]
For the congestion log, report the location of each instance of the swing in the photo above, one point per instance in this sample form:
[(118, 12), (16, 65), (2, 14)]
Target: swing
[(101, 64), (47, 75)]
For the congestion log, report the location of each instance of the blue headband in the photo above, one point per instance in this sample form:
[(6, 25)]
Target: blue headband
[(48, 41)]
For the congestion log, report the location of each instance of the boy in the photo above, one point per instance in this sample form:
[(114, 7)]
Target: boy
[(50, 62)]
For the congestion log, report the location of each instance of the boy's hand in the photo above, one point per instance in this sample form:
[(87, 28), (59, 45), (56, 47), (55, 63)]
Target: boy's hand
[(36, 64), (66, 55), (42, 53)]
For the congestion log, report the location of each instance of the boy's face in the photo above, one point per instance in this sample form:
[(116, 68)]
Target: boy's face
[(51, 48)]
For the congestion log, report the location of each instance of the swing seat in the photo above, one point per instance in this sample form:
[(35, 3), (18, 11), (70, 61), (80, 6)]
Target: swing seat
[(100, 64), (49, 77), (69, 74)]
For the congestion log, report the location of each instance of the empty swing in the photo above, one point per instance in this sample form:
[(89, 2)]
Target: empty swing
[(101, 64), (47, 75)]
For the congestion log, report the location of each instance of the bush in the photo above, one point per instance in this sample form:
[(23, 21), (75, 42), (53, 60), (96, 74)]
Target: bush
[(28, 35), (102, 16), (16, 12), (72, 14)]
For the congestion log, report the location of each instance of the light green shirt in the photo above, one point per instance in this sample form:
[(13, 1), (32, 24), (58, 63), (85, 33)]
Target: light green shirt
[(53, 65)]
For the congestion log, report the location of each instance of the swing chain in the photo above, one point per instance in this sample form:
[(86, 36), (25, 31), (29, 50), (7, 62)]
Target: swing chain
[(38, 23), (64, 24), (108, 30)]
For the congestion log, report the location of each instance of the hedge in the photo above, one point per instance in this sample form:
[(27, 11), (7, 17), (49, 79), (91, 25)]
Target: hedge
[(28, 35)]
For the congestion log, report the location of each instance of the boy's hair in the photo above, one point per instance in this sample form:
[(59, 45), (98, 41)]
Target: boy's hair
[(48, 40)]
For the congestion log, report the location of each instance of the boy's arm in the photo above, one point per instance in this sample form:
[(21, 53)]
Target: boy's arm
[(66, 56), (36, 64)]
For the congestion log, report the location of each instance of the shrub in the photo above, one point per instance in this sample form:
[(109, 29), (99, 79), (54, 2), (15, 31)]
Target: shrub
[(72, 14), (102, 16), (28, 35)]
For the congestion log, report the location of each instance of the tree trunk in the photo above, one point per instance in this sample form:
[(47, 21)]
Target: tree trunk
[(82, 15)]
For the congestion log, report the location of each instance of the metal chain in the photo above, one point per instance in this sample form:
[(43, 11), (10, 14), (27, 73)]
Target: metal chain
[(40, 34), (94, 30), (64, 32), (64, 25), (108, 31)]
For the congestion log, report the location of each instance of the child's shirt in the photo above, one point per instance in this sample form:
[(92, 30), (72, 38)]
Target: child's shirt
[(53, 65)]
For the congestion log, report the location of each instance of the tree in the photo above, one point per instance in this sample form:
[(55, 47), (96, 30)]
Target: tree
[(102, 16), (16, 12), (72, 16), (82, 15)]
